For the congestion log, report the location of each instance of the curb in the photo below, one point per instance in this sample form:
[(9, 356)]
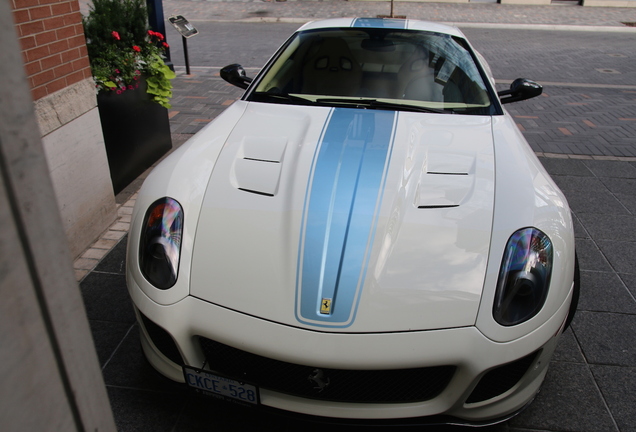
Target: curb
[(110, 238), (545, 27)]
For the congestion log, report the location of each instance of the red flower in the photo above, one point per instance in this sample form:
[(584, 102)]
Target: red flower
[(155, 34), (165, 45), (136, 48), (116, 35)]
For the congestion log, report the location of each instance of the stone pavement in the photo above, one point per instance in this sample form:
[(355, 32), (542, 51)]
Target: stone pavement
[(564, 120), (587, 107), (302, 11), (591, 383)]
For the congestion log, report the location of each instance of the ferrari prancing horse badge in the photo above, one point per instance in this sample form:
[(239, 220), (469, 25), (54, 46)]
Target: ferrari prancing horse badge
[(325, 306)]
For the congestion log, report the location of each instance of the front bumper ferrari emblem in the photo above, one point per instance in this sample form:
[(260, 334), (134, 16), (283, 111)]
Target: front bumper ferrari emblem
[(325, 306), (319, 379)]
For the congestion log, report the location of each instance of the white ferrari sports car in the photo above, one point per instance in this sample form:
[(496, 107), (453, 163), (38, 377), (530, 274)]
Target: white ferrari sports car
[(364, 235)]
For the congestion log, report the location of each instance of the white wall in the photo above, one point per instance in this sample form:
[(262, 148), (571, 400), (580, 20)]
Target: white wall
[(49, 373), (74, 146)]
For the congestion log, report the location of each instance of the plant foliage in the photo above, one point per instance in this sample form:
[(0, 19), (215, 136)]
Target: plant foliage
[(121, 49)]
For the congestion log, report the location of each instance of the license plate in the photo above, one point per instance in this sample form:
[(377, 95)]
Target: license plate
[(221, 386)]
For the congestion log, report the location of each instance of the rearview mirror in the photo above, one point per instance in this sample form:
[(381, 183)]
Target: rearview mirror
[(520, 89), (235, 75)]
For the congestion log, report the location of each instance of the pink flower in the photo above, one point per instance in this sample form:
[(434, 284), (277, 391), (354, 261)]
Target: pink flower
[(116, 35), (136, 48), (117, 71), (130, 87), (118, 91)]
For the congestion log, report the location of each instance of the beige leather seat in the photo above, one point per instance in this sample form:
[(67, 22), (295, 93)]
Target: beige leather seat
[(330, 69), (416, 80)]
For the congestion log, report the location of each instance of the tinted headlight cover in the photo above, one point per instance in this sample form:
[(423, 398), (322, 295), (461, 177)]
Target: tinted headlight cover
[(524, 277), (160, 243)]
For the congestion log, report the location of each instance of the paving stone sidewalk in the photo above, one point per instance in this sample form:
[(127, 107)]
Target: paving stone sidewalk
[(591, 383), (563, 121), (456, 13), (305, 10)]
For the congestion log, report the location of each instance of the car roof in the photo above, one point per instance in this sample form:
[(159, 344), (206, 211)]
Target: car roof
[(408, 24)]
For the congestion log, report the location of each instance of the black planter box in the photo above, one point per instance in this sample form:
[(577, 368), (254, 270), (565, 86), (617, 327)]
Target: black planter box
[(136, 133)]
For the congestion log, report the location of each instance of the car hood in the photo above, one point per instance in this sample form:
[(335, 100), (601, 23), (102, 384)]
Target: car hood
[(349, 220)]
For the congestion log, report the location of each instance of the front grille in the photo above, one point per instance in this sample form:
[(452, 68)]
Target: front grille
[(501, 379), (338, 385)]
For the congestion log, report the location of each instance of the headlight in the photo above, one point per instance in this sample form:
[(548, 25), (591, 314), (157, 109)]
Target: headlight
[(524, 277), (160, 243)]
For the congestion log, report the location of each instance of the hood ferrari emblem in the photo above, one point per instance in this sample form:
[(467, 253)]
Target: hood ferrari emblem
[(325, 306), (319, 379)]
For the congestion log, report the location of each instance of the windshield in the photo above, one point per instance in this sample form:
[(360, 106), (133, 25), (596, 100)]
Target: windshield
[(376, 68)]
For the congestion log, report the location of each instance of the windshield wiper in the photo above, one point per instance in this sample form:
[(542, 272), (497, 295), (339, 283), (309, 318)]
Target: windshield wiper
[(376, 104), (276, 97), (280, 98)]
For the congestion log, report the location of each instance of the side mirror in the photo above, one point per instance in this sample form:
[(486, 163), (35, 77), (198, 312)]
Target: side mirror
[(235, 75), (520, 89)]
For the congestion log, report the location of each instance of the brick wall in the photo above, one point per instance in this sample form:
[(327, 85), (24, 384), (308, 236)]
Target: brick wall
[(53, 45)]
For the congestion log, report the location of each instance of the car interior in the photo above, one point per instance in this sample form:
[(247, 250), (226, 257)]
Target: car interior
[(380, 64)]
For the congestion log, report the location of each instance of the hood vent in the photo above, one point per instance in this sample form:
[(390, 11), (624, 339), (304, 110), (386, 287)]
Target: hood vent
[(258, 165), (446, 180)]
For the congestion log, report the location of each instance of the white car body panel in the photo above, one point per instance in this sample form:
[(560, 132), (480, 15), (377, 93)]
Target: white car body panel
[(360, 351), (522, 176), (184, 173), (428, 26), (436, 161), (271, 224)]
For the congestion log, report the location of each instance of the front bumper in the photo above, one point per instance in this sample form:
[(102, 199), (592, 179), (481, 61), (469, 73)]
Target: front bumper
[(468, 350)]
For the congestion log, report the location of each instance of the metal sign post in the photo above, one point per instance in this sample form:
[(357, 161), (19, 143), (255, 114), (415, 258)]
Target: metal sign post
[(187, 30)]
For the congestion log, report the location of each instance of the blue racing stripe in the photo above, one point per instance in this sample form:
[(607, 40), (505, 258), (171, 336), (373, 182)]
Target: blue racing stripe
[(380, 23), (340, 214)]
